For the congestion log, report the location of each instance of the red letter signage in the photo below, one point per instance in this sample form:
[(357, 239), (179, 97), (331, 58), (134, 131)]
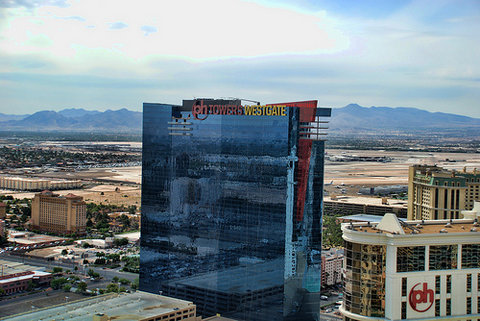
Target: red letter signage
[(423, 297)]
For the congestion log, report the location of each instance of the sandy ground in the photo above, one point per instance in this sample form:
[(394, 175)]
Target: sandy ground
[(392, 173), (351, 175), (126, 195)]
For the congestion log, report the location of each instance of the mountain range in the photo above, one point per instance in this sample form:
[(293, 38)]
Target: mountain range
[(76, 120), (349, 120)]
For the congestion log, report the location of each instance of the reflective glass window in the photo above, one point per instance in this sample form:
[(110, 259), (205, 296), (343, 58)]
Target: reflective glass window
[(470, 256), (443, 257), (410, 258)]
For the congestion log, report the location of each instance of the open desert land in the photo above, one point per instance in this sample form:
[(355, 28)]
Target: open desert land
[(121, 185), (394, 172)]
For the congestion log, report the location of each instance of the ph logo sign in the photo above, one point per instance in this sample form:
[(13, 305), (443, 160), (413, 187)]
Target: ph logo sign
[(421, 298)]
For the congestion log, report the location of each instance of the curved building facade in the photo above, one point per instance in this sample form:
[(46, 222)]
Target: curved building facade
[(232, 207), (414, 270)]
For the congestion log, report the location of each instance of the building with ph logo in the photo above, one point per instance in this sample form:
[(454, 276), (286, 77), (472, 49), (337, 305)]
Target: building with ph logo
[(232, 206), (422, 270)]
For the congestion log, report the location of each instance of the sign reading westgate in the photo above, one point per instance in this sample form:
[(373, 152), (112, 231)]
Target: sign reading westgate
[(253, 110)]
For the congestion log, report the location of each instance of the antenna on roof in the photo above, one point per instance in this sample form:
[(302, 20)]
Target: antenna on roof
[(252, 101)]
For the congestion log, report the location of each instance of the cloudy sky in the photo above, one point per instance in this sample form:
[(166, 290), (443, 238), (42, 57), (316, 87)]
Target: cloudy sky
[(110, 54)]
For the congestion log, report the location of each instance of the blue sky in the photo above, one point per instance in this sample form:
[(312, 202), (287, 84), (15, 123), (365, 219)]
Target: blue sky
[(110, 54)]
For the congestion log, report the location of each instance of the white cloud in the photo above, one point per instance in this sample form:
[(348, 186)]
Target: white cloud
[(421, 55), (191, 29)]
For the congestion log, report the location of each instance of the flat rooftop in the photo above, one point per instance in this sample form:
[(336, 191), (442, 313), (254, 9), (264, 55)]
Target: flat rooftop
[(377, 201), (28, 238), (425, 227), (364, 218), (11, 267), (233, 280), (135, 306)]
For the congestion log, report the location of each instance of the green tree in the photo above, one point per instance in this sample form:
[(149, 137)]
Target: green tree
[(124, 281), (115, 279), (114, 257), (82, 287), (134, 284), (57, 269), (125, 220), (120, 241), (58, 283), (332, 234), (64, 252), (67, 287), (90, 272), (112, 287)]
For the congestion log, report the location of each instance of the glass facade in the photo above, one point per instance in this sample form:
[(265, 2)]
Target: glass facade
[(231, 211), (411, 258), (443, 257), (470, 256), (364, 291)]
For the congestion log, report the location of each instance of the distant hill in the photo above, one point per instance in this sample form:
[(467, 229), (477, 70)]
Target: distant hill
[(77, 120), (7, 117), (349, 120), (77, 112), (354, 119)]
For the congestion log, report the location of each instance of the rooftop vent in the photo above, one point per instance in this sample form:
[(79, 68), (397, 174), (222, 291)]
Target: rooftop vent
[(448, 225), (443, 230), (419, 226), (473, 229)]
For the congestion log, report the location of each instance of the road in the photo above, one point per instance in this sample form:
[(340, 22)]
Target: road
[(19, 304), (107, 274)]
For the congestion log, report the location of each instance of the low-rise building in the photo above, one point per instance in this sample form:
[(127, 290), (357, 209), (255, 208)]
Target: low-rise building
[(138, 306), (365, 205), (16, 277), (36, 184), (3, 210), (422, 270)]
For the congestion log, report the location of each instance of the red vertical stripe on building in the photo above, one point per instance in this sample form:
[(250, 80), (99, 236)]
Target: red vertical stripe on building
[(307, 115)]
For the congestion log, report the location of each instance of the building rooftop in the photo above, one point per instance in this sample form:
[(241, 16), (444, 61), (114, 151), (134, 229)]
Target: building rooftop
[(21, 276), (268, 274), (388, 226), (11, 267), (135, 306), (364, 218), (28, 238), (377, 201)]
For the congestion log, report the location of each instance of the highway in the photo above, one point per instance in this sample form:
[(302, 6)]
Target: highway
[(107, 274)]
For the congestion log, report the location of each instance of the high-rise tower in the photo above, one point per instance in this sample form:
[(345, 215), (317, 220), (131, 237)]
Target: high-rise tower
[(232, 206)]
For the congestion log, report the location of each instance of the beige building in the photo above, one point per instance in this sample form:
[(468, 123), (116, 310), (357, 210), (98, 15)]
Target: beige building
[(437, 193), (332, 265), (414, 270), (36, 184), (138, 306), (3, 210), (59, 214)]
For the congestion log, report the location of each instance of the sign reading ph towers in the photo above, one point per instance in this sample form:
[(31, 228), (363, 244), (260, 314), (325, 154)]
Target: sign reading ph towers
[(201, 111)]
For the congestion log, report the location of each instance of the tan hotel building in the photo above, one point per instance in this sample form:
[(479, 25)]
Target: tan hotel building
[(413, 270), (59, 214), (36, 184), (436, 193)]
